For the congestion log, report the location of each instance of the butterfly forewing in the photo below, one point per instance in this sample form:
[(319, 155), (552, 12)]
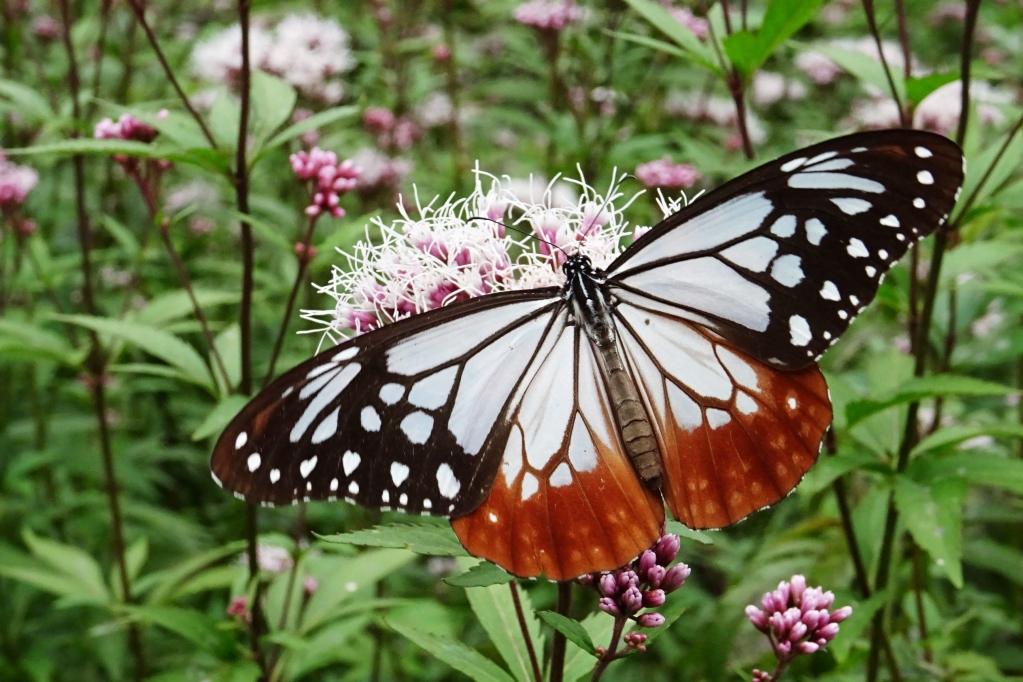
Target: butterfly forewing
[(780, 260), (396, 418)]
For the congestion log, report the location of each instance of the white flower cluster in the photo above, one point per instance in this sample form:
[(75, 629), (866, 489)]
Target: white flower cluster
[(494, 239), (307, 51)]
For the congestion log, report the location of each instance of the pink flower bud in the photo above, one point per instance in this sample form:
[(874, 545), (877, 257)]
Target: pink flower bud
[(608, 585), (631, 600), (653, 598), (647, 560), (828, 632), (675, 577), (650, 620), (667, 549), (841, 614), (757, 617), (627, 579), (807, 647), (608, 605), (655, 575)]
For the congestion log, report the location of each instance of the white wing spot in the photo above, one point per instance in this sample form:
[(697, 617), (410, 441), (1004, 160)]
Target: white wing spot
[(333, 485), (925, 178), (752, 254), (403, 500), (353, 488), (427, 502), (815, 231), (890, 220), (529, 486), (582, 452), (745, 403), (275, 475), (786, 270), (253, 461), (511, 463), (241, 440), (288, 391), (346, 354), (792, 402), (740, 370), (492, 517), (369, 419), (829, 291), (799, 331), (851, 206), (317, 371), (870, 270), (923, 152), (810, 180), (417, 427), (717, 418), (433, 391), (855, 300), (857, 249), (842, 314), (307, 466), (919, 202), (882, 254), (399, 472), (823, 156), (447, 483), (391, 393), (349, 461), (792, 164), (326, 428), (332, 388), (561, 476), (784, 226), (385, 496)]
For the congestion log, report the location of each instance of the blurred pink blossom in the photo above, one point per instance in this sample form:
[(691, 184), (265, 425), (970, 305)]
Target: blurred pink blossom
[(699, 26), (548, 15), (667, 174), (769, 88), (15, 183)]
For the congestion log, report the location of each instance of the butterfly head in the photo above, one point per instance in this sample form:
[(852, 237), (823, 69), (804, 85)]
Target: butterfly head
[(576, 265)]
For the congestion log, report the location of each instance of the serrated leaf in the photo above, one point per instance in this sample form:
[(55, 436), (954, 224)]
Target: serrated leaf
[(933, 515), (495, 610), (571, 629), (219, 416), (662, 20), (748, 50), (953, 435), (422, 538), (152, 340), (455, 654), (482, 574), (926, 387)]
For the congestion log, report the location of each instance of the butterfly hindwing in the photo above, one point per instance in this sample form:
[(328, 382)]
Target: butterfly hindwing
[(780, 260), (566, 500), (395, 418), (735, 434)]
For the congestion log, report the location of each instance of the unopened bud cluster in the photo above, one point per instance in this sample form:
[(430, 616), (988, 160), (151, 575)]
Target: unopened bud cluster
[(329, 179), (797, 619), (634, 591)]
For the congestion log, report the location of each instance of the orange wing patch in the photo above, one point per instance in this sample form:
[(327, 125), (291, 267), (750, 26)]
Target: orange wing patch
[(736, 434), (566, 500)]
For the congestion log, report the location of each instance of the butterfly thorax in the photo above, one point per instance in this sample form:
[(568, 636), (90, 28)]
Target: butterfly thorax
[(586, 291)]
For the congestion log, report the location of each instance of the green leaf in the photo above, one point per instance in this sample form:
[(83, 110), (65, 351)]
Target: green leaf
[(315, 122), (579, 662), (480, 575), (992, 556), (223, 119), (156, 342), (35, 343), (571, 629), (856, 624), (88, 146), (832, 467), (229, 345), (918, 87), (701, 536), (926, 387), (422, 538), (495, 610), (30, 105), (1007, 164), (70, 561), (953, 435), (219, 416), (454, 653), (748, 50), (175, 304), (933, 515), (195, 627), (272, 101), (976, 468), (662, 20)]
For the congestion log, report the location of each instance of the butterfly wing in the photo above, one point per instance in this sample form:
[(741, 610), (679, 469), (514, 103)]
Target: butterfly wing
[(395, 418), (780, 260), (566, 500), (735, 433)]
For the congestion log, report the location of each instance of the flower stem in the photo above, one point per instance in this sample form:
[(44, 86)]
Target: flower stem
[(138, 7), (557, 669), (459, 163), (96, 362), (303, 265), (868, 9), (520, 616), (612, 649)]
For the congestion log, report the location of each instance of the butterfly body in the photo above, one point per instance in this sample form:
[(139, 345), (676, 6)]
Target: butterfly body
[(554, 426), (592, 309)]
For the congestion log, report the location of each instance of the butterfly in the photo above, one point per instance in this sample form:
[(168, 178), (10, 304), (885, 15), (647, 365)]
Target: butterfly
[(553, 426)]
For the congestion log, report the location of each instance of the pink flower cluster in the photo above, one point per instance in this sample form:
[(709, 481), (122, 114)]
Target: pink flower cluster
[(667, 174), (699, 26), (645, 584), (392, 132), (15, 183), (125, 128), (797, 619), (329, 179), (548, 15)]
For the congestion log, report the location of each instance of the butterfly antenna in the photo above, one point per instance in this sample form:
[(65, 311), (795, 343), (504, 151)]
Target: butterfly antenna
[(526, 233)]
